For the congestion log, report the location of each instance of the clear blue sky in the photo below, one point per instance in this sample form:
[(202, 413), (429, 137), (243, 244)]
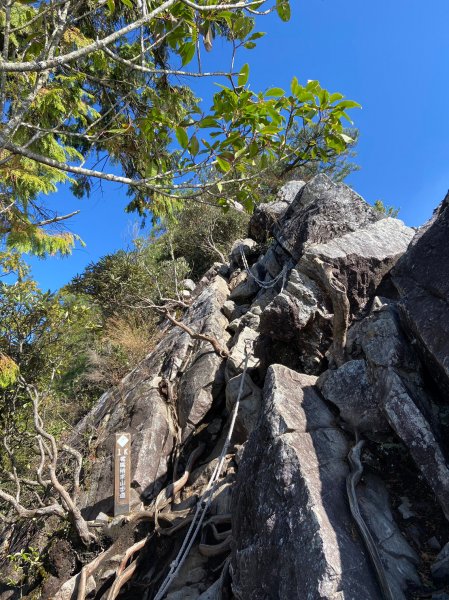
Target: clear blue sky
[(392, 56)]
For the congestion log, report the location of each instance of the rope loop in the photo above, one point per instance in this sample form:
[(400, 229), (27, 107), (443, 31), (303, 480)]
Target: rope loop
[(264, 284)]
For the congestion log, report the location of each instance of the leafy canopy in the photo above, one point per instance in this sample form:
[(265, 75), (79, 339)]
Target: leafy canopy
[(105, 90)]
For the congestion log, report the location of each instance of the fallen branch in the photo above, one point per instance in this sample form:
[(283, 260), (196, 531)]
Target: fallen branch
[(222, 352), (163, 310)]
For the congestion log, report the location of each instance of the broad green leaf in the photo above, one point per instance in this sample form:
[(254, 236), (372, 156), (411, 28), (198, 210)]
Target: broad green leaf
[(253, 149), (187, 52), (269, 130), (111, 5), (182, 137), (243, 75), (335, 97), (313, 85), (275, 115), (223, 164), (249, 45), (256, 36), (283, 9), (194, 146), (275, 91), (127, 3), (208, 121), (348, 104), (295, 87)]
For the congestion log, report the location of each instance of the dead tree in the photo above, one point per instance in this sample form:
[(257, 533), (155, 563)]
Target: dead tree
[(49, 495)]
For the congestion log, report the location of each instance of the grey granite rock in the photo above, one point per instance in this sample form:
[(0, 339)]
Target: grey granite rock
[(269, 215), (440, 568), (180, 371), (294, 536), (322, 211), (189, 284), (416, 433), (245, 289), (422, 279), (250, 404), (236, 360), (360, 259), (247, 246), (349, 388), (399, 559)]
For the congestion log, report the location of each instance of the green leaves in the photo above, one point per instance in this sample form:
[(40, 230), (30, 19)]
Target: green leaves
[(243, 75), (194, 146), (223, 164), (275, 91), (182, 137), (283, 9), (147, 120), (9, 371), (187, 52)]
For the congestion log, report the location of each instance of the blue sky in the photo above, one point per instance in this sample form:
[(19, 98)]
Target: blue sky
[(392, 56)]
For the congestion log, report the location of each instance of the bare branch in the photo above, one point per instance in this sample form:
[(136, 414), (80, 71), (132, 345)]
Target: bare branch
[(43, 65), (142, 69), (76, 474), (56, 219), (218, 348), (26, 513)]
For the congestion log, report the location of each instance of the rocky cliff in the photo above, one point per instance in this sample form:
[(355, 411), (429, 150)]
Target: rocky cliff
[(330, 333)]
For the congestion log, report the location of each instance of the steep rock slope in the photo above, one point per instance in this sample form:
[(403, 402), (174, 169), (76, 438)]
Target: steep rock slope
[(326, 352)]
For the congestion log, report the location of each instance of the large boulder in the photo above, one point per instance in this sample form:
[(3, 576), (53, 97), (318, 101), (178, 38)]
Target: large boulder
[(422, 279), (320, 212), (290, 503), (267, 217), (360, 259), (417, 434), (298, 316), (172, 389), (349, 388)]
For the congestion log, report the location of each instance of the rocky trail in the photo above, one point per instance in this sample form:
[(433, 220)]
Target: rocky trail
[(326, 336)]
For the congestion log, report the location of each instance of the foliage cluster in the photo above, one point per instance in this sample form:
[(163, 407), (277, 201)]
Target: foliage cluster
[(88, 84)]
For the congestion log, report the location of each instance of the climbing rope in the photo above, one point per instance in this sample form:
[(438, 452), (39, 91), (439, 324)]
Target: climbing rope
[(352, 480), (264, 284), (206, 499)]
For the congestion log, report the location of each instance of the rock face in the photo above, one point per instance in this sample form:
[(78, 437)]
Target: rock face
[(344, 316), (422, 279), (267, 217), (322, 211), (361, 258), (164, 398), (416, 432), (290, 496)]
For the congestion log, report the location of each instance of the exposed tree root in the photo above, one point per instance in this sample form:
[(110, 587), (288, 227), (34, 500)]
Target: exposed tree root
[(167, 494), (340, 305)]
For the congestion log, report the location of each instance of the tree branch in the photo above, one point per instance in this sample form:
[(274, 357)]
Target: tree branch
[(142, 69)]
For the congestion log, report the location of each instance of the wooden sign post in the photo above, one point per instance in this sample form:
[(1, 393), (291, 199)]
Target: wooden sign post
[(122, 473)]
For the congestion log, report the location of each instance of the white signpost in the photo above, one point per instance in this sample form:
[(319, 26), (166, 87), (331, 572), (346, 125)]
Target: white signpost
[(122, 473)]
